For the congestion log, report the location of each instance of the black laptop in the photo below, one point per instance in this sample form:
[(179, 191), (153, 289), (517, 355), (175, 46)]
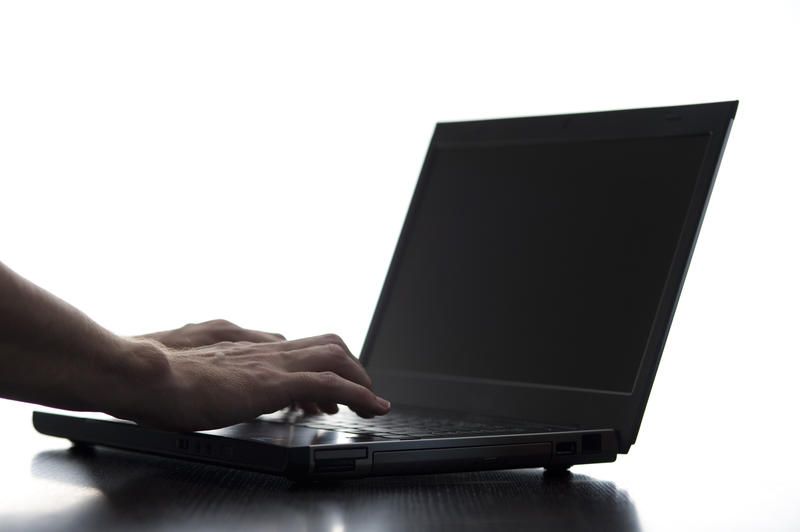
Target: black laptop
[(525, 308)]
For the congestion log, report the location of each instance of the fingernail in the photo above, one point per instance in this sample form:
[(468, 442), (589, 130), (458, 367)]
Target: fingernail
[(383, 402)]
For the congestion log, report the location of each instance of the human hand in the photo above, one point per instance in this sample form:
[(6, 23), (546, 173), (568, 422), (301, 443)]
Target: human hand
[(210, 332), (214, 331), (198, 377), (212, 386)]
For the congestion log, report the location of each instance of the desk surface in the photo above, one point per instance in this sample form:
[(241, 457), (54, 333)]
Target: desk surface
[(48, 486)]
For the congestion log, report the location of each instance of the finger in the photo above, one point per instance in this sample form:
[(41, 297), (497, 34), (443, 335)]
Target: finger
[(247, 335), (319, 340), (225, 330), (329, 387), (309, 408), (328, 357), (303, 343), (329, 408)]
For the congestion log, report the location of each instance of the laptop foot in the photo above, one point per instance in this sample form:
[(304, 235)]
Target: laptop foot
[(557, 470), (79, 447)]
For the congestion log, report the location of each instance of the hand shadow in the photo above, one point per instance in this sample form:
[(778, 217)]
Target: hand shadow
[(142, 492)]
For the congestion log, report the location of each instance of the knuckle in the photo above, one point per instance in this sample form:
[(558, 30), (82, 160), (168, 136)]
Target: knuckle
[(336, 352), (332, 339), (225, 344), (327, 378)]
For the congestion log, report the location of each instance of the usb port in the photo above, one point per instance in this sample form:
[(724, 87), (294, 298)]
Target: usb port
[(566, 447)]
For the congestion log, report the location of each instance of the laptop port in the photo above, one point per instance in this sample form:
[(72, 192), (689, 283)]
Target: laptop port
[(566, 447)]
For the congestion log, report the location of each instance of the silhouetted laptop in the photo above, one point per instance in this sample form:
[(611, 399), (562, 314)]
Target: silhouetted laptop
[(524, 312)]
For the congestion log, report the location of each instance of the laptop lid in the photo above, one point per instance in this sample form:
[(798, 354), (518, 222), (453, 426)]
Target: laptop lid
[(540, 264)]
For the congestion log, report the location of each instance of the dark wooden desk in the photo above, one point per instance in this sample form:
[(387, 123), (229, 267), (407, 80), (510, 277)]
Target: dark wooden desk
[(48, 486)]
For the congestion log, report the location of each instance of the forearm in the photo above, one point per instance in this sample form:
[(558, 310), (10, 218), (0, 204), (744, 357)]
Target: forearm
[(53, 354)]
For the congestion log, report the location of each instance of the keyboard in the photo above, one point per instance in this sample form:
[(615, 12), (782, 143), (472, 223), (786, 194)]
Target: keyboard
[(404, 423)]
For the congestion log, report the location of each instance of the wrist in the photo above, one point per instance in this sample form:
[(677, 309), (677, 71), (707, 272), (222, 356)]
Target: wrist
[(142, 365)]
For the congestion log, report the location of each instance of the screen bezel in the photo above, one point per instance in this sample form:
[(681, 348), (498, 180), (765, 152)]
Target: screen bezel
[(546, 403)]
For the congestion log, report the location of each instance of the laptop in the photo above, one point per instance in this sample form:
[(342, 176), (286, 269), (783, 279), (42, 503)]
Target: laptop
[(524, 311)]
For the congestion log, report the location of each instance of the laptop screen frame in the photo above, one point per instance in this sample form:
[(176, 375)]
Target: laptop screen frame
[(577, 407)]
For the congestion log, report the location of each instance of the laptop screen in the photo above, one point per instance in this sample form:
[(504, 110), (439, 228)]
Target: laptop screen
[(539, 263)]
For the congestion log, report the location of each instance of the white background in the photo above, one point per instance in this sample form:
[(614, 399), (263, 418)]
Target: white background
[(166, 162)]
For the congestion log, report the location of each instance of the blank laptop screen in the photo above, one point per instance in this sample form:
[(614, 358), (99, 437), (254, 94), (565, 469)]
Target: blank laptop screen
[(538, 263)]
